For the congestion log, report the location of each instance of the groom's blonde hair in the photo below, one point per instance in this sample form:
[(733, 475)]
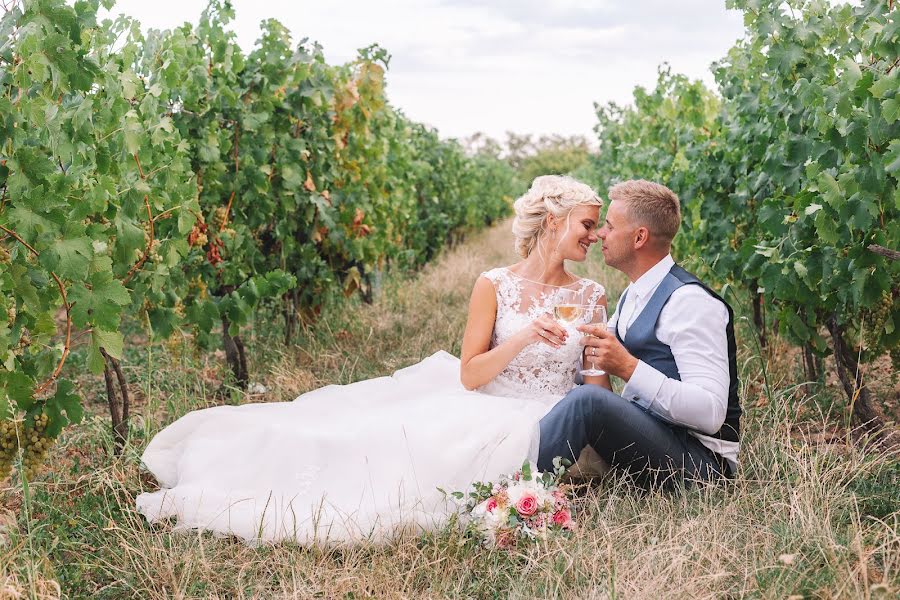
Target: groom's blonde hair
[(650, 204), (549, 194)]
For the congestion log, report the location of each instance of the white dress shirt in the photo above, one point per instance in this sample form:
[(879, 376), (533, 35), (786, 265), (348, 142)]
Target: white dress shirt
[(692, 323)]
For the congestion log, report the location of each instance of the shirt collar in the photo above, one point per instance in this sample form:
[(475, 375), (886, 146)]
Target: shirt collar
[(650, 280)]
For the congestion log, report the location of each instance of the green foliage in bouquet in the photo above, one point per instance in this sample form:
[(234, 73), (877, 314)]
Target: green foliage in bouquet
[(518, 508)]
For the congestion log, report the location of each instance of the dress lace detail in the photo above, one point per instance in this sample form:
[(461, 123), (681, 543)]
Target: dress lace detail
[(539, 371)]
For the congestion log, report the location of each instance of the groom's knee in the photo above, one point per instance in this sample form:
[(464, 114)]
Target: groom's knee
[(592, 402)]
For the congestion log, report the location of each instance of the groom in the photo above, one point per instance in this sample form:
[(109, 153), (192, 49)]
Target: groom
[(671, 339)]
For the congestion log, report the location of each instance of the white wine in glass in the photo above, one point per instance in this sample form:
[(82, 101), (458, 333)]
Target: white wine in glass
[(568, 306), (568, 313), (595, 315)]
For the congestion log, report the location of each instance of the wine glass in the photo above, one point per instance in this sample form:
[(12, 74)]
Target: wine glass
[(594, 315), (567, 307)]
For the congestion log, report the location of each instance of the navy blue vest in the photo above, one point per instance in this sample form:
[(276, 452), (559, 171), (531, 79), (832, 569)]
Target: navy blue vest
[(641, 342)]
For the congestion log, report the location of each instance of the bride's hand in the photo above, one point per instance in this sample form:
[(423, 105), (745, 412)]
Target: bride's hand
[(546, 330)]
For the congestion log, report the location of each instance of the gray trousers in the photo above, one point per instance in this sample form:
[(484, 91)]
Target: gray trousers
[(627, 437)]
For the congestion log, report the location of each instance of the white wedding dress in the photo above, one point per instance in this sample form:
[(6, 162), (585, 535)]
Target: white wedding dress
[(355, 462)]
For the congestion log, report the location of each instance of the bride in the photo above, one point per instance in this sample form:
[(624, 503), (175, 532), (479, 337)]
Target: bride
[(357, 462)]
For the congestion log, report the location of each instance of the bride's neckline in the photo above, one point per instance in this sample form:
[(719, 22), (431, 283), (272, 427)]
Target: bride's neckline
[(578, 280)]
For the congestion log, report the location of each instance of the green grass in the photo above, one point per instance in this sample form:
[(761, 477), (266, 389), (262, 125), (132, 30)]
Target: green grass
[(812, 514)]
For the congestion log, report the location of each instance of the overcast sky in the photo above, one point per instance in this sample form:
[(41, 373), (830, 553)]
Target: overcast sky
[(529, 66)]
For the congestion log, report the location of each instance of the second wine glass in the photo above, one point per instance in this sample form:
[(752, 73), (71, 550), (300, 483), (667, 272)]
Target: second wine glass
[(594, 315)]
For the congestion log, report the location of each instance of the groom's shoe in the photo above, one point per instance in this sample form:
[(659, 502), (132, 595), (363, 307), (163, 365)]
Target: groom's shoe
[(589, 465)]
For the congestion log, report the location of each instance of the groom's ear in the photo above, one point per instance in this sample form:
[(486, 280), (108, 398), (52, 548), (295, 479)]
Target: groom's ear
[(641, 237)]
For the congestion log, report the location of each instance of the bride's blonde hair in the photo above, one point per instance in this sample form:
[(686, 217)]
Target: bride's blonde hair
[(549, 194)]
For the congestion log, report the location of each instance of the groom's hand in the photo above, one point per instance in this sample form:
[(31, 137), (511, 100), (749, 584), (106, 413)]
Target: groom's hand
[(603, 349)]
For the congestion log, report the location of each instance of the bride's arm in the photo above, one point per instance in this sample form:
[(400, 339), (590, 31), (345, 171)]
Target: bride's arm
[(479, 363)]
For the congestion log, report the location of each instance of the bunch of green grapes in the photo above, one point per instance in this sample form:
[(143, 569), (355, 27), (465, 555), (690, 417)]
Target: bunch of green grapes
[(198, 288), (219, 217), (36, 443), (876, 318), (9, 446), (178, 308)]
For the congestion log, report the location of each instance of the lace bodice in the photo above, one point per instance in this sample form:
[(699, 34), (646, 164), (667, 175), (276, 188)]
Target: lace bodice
[(539, 371)]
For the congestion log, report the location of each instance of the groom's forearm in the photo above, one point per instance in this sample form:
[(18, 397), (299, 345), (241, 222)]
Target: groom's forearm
[(685, 402), (624, 368)]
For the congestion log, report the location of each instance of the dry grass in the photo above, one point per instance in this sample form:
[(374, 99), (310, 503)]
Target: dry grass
[(811, 516)]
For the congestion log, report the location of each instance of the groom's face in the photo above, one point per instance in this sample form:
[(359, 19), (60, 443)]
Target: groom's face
[(617, 236)]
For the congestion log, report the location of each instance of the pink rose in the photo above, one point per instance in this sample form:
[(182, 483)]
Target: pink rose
[(563, 518), (491, 504), (527, 505)]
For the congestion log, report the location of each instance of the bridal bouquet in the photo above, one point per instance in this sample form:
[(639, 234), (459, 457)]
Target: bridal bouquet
[(521, 506)]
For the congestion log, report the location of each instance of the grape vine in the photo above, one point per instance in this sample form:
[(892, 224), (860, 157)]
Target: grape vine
[(177, 180), (788, 175)]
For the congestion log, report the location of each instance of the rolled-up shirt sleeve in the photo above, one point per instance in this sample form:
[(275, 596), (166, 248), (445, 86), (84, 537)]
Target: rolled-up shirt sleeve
[(693, 325)]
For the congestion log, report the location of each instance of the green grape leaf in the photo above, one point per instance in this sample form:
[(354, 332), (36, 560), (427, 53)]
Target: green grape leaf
[(17, 387), (890, 110), (63, 60), (864, 212), (111, 341), (63, 408), (44, 325), (826, 227), (134, 132), (29, 223), (204, 314), (130, 84), (69, 257), (23, 285), (34, 164), (831, 190), (885, 84), (253, 121), (892, 158), (101, 303), (129, 237), (785, 56), (852, 72)]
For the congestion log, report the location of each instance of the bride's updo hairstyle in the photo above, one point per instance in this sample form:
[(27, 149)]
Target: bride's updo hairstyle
[(548, 194)]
